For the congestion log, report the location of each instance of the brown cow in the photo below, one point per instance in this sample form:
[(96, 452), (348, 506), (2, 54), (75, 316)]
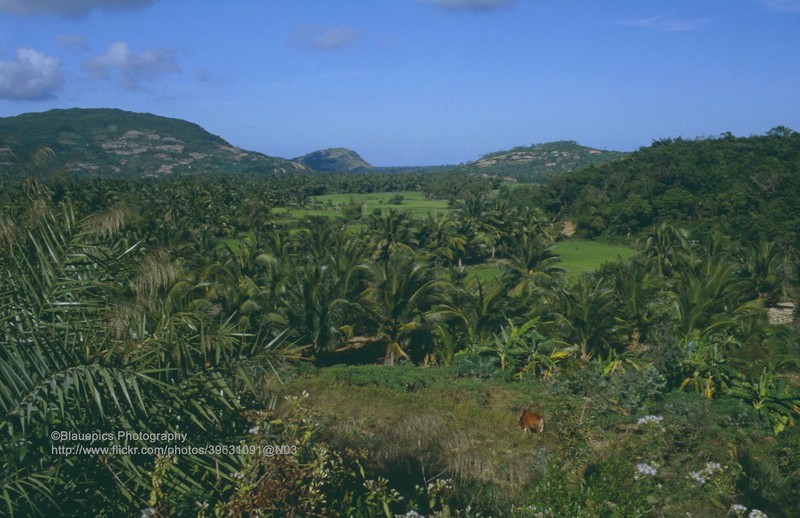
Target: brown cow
[(531, 422)]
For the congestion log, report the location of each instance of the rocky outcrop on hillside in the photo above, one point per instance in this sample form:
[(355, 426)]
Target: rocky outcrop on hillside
[(106, 142)]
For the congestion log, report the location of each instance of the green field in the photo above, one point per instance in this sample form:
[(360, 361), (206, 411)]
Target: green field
[(330, 205), (485, 272), (577, 256), (581, 255)]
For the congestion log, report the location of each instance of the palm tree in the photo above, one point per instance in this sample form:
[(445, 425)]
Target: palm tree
[(635, 288), (313, 305), (708, 296), (530, 222), (588, 313), (667, 248), (390, 233), (478, 222), (477, 310), (446, 343), (439, 234), (761, 263), (62, 368), (316, 235), (531, 265), (401, 301), (348, 257)]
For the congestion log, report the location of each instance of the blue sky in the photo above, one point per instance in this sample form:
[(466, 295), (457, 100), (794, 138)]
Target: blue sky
[(413, 82)]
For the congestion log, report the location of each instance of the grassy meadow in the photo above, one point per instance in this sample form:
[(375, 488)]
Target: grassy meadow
[(578, 256), (331, 205), (582, 255), (620, 446)]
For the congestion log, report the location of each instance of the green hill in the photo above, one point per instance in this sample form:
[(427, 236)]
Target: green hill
[(741, 186), (109, 142), (539, 162), (336, 159)]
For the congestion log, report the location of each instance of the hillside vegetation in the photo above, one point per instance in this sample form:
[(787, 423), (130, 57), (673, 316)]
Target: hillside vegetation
[(540, 162), (112, 143), (740, 186)]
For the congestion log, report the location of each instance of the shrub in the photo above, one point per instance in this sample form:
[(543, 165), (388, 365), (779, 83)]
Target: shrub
[(468, 365), (405, 375)]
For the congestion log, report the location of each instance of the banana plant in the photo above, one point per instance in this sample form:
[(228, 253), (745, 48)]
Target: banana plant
[(518, 344), (772, 398), (618, 362), (508, 346), (446, 342), (707, 362)]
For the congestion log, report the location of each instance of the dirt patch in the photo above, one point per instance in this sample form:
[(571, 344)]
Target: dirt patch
[(568, 228)]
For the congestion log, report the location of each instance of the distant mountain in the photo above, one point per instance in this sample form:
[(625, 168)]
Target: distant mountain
[(336, 159), (539, 162), (108, 142)]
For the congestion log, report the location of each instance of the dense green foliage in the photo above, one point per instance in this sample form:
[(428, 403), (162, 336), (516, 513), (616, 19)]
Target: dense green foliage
[(744, 187), (178, 304)]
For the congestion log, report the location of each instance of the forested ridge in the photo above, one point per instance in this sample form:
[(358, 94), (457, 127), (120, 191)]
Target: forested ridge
[(185, 304), (740, 186)]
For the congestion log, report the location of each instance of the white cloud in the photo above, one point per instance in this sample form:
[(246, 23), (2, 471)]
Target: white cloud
[(31, 76), (664, 23), (471, 5), (323, 38), (131, 68), (69, 8)]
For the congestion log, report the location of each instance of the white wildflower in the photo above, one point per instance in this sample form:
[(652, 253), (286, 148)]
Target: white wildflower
[(439, 485), (710, 469), (644, 469), (698, 477), (755, 513), (649, 419)]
